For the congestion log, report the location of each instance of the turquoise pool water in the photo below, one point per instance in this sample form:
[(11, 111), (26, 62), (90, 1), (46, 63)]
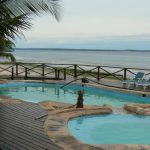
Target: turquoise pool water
[(38, 92), (111, 129)]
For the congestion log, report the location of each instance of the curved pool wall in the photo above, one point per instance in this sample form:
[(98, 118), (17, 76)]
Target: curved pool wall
[(38, 92), (111, 129)]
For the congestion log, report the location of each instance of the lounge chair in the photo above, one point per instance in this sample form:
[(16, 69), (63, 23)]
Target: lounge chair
[(144, 83), (139, 76)]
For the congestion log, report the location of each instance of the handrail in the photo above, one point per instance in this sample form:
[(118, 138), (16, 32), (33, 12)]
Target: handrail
[(44, 71), (107, 66), (70, 82)]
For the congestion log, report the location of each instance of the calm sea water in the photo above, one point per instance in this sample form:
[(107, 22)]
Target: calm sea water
[(139, 59)]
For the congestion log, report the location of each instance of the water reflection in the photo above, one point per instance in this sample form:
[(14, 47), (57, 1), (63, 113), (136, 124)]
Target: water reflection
[(79, 123), (37, 92), (57, 92)]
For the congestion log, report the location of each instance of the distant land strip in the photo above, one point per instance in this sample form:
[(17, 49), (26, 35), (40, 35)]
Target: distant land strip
[(71, 49)]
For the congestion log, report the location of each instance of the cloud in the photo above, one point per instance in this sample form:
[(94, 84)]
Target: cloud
[(88, 27), (93, 23), (103, 42)]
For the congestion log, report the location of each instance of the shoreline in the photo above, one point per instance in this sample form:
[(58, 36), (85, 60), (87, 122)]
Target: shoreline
[(79, 49), (127, 58)]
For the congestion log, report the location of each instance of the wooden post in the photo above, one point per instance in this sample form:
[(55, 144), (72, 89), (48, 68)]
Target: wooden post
[(26, 73), (43, 71), (12, 73), (16, 69), (75, 71), (98, 73), (125, 74), (64, 73), (58, 73), (55, 73)]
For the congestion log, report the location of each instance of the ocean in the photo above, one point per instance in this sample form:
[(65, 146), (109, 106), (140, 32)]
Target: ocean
[(120, 58)]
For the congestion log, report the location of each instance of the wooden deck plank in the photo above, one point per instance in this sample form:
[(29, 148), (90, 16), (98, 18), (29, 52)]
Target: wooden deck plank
[(24, 141), (30, 123), (13, 144), (31, 115), (16, 115), (4, 146), (20, 110), (26, 137), (41, 137), (24, 123), (20, 130), (26, 108), (21, 141)]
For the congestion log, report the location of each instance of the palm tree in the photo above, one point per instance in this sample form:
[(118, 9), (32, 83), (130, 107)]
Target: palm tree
[(19, 7), (5, 47), (14, 17), (10, 26)]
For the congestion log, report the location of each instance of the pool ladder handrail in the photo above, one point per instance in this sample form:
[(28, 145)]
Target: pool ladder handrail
[(81, 82), (70, 82)]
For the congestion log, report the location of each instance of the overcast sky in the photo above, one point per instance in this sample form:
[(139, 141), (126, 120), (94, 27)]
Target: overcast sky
[(97, 24)]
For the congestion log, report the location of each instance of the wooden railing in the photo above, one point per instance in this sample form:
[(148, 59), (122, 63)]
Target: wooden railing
[(67, 71)]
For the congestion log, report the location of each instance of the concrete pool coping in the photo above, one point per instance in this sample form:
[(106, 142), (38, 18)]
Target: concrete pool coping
[(58, 116), (56, 127)]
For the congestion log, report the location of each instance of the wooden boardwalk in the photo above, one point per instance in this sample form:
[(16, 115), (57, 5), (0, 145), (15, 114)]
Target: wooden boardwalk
[(21, 130)]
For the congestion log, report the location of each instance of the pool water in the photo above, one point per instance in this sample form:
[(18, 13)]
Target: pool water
[(111, 129), (38, 92)]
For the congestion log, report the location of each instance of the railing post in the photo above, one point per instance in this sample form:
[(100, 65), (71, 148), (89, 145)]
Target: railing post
[(43, 71), (64, 73), (98, 73), (16, 69), (26, 73), (55, 73), (12, 73), (75, 71), (125, 74), (58, 73)]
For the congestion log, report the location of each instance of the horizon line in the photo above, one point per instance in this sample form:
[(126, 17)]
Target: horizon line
[(85, 49)]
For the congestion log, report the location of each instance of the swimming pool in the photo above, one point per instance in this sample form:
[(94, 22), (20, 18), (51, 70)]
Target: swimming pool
[(38, 92), (111, 129)]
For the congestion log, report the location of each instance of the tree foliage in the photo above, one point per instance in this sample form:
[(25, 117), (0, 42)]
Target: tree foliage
[(15, 17), (18, 7)]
